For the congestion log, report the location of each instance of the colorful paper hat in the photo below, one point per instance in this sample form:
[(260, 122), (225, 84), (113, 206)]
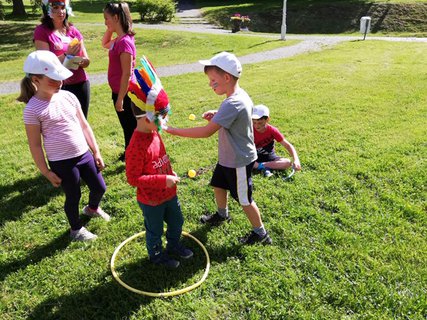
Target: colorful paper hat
[(147, 92)]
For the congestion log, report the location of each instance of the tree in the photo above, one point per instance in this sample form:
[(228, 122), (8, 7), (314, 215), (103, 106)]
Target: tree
[(18, 8)]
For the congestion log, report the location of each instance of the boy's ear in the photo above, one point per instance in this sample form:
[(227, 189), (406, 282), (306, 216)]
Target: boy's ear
[(227, 77)]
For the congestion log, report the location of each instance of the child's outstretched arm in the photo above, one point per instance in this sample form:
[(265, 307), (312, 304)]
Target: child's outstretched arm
[(196, 132), (35, 144), (293, 152)]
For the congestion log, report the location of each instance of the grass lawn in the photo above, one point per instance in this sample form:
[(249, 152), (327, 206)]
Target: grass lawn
[(349, 231), (161, 47)]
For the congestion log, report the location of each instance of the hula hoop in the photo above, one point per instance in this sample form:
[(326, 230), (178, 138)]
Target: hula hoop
[(290, 175), (159, 294)]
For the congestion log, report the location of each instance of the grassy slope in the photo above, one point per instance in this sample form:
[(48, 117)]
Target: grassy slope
[(350, 230), (307, 16)]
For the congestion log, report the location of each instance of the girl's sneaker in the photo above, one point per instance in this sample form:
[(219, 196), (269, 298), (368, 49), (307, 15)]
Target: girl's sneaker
[(82, 234), (95, 213)]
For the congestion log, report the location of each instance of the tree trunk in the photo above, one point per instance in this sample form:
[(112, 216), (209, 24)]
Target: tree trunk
[(18, 8)]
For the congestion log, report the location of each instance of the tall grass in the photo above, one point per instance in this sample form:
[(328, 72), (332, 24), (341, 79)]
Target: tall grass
[(349, 231)]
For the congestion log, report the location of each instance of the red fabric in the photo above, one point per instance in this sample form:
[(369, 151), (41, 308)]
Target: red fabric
[(147, 165), (136, 90), (162, 101), (269, 135)]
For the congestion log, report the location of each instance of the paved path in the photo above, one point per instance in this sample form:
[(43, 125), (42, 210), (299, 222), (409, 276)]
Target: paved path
[(192, 22)]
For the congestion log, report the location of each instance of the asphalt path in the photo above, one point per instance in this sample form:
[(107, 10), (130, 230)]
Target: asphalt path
[(191, 22)]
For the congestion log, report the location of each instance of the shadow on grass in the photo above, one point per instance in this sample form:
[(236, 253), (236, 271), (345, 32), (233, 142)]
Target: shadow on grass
[(19, 197), (13, 35), (36, 255), (89, 6), (106, 301)]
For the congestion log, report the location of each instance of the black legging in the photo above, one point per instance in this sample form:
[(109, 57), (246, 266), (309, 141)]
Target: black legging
[(82, 92), (126, 118)]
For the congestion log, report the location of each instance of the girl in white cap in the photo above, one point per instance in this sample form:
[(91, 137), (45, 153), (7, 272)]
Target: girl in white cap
[(55, 117)]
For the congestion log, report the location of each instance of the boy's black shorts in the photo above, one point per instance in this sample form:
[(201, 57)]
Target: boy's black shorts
[(272, 156), (237, 180)]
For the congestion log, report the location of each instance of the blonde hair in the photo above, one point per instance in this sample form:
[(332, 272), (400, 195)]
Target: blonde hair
[(28, 88)]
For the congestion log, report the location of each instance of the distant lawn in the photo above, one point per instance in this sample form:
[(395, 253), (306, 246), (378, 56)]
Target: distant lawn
[(161, 47), (349, 231)]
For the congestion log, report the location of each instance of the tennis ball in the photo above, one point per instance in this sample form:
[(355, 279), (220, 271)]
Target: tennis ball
[(191, 173), (192, 117)]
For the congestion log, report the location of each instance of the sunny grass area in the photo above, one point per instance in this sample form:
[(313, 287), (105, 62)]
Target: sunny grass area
[(349, 231), (175, 47)]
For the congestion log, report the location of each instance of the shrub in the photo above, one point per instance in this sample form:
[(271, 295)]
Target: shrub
[(156, 10)]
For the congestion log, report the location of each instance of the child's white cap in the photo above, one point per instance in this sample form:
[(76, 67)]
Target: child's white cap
[(225, 61), (46, 63), (260, 111)]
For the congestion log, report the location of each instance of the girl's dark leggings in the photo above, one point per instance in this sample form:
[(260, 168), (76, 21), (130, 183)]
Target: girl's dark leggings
[(70, 171), (82, 92), (126, 118)]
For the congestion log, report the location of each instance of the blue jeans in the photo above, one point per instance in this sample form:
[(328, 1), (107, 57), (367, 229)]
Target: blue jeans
[(154, 216)]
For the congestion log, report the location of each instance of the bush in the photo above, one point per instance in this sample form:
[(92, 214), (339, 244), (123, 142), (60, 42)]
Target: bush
[(156, 10)]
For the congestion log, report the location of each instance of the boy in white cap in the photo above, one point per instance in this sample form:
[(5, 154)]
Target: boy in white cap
[(265, 135), (58, 130), (236, 147)]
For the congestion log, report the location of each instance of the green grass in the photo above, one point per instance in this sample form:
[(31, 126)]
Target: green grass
[(321, 16), (349, 231), (176, 47)]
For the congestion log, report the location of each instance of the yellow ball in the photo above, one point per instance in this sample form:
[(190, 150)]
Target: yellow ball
[(192, 117), (191, 173)]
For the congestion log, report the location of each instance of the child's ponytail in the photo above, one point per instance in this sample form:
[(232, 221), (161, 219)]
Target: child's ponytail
[(28, 89)]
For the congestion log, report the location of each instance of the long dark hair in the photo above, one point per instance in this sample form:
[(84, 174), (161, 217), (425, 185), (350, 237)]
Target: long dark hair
[(47, 21), (121, 9)]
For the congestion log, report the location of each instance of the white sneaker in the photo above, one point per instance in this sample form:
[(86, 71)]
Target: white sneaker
[(95, 214), (82, 234), (268, 173)]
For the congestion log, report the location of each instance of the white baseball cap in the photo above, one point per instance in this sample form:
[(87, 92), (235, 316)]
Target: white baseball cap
[(260, 111), (46, 63), (225, 61)]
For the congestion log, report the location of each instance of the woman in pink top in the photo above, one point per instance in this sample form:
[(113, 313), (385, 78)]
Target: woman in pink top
[(56, 34), (122, 53), (57, 128)]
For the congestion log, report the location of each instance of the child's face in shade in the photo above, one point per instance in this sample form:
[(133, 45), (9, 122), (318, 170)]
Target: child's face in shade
[(260, 124)]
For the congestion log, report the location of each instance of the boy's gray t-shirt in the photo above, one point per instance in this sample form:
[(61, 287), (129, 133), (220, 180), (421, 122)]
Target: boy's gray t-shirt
[(236, 147)]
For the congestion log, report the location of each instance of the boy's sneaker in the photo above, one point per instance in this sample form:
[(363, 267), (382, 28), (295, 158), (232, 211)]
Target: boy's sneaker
[(82, 235), (162, 259), (96, 213), (214, 219), (253, 237), (267, 173), (180, 250)]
